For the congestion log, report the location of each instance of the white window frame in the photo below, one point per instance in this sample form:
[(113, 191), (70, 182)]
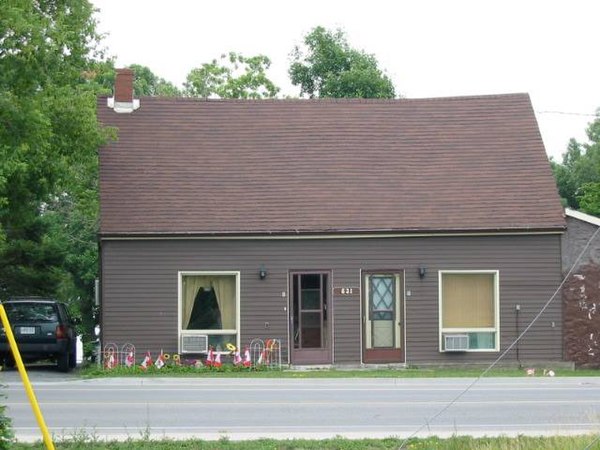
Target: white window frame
[(495, 329), (236, 331)]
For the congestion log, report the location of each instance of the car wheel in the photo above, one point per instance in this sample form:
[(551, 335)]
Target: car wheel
[(62, 362)]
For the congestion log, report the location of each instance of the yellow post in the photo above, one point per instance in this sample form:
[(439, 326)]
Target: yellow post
[(34, 404)]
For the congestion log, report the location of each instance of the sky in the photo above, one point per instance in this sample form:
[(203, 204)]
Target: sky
[(429, 48)]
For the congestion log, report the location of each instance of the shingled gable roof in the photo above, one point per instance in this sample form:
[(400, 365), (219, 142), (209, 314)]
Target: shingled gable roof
[(232, 167)]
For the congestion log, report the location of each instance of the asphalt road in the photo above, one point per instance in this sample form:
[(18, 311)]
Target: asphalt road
[(309, 408)]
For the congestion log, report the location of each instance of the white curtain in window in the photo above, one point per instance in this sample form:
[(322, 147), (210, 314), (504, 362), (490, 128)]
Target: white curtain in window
[(191, 284), (224, 287)]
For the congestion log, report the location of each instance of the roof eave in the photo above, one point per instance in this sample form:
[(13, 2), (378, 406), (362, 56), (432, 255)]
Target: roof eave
[(582, 216), (333, 233)]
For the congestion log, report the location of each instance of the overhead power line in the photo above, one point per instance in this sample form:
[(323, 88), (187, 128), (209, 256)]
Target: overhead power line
[(492, 365), (567, 113)]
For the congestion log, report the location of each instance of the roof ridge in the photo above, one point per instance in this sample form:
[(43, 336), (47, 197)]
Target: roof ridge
[(332, 100)]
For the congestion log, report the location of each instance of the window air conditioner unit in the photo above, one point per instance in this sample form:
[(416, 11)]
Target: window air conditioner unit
[(456, 342), (194, 343)]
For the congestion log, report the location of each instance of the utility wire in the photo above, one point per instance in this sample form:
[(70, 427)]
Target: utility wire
[(592, 443), (492, 365), (567, 113)]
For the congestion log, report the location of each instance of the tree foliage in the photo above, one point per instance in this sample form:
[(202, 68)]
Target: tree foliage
[(589, 198), (233, 76), (328, 67), (578, 176), (146, 82), (6, 434), (48, 147)]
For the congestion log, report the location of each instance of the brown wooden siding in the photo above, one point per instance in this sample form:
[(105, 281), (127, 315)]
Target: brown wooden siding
[(139, 287)]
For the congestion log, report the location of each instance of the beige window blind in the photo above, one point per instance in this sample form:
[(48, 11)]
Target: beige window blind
[(468, 300)]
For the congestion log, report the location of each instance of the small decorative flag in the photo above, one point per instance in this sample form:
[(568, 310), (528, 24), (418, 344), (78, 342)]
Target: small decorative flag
[(247, 361), (160, 361), (147, 362), (237, 359), (262, 357), (217, 361), (210, 357), (129, 360)]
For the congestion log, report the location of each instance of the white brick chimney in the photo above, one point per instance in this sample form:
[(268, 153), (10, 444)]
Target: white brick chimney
[(123, 101)]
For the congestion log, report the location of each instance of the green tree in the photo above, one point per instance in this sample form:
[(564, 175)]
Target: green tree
[(72, 219), (71, 215), (328, 67), (589, 198), (234, 76), (48, 145), (578, 176), (146, 82)]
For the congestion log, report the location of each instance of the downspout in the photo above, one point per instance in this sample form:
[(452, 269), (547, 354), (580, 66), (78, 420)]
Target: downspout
[(517, 311), (98, 305)]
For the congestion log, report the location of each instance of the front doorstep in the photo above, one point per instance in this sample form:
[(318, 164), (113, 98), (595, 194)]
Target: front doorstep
[(311, 367)]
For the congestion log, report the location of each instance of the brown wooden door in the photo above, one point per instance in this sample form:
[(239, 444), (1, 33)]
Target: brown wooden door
[(310, 318), (383, 331)]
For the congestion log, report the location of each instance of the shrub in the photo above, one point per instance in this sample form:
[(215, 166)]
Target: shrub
[(6, 436)]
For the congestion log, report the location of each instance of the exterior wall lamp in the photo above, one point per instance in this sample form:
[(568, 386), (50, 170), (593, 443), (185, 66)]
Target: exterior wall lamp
[(262, 272), (422, 272)]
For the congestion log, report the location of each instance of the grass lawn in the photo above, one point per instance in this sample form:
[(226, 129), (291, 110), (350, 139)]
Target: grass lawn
[(454, 443), (231, 372)]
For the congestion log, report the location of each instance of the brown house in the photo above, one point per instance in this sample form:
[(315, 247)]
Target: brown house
[(409, 231)]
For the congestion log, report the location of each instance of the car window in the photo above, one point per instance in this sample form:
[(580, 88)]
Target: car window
[(31, 312)]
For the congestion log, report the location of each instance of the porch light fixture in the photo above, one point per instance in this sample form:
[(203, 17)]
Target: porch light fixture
[(262, 272), (422, 272)]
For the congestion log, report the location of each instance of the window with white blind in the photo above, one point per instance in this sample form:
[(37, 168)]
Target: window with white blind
[(469, 310)]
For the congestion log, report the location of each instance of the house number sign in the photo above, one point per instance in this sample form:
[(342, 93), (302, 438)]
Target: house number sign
[(346, 291)]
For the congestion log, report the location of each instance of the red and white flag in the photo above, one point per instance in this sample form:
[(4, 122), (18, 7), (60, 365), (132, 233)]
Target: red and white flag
[(160, 361), (129, 360), (237, 359), (217, 361), (247, 361), (147, 362), (210, 357)]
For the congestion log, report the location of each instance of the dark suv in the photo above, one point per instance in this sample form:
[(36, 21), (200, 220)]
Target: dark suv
[(42, 329)]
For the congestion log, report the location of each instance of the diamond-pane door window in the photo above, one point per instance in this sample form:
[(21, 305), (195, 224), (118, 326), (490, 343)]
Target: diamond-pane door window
[(382, 297)]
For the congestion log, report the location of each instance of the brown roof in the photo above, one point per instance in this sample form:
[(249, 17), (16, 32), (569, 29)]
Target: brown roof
[(312, 166)]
